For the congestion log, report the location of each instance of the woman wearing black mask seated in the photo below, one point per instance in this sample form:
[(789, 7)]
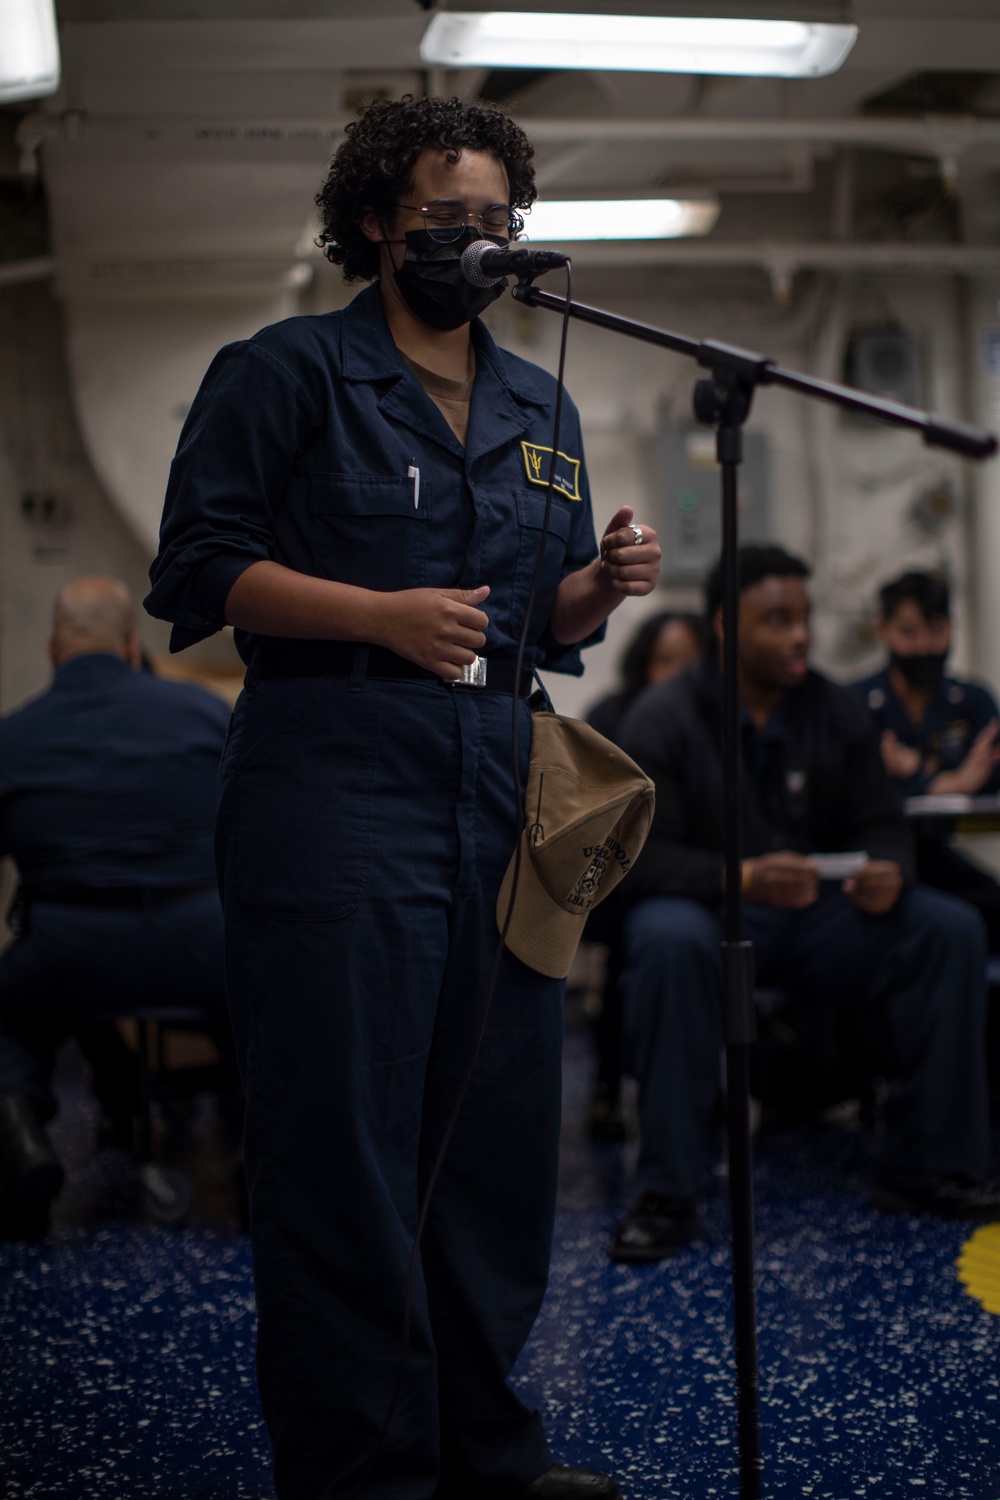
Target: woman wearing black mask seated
[(361, 495), (939, 733)]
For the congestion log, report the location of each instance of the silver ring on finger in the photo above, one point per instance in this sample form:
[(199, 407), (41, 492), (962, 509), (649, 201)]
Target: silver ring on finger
[(636, 532)]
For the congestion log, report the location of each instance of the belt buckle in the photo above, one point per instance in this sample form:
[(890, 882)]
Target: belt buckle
[(473, 675)]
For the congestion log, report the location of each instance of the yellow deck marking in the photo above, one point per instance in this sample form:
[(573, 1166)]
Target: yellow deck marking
[(979, 1266)]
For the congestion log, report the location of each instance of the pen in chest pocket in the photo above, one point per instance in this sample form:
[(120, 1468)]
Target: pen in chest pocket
[(414, 473)]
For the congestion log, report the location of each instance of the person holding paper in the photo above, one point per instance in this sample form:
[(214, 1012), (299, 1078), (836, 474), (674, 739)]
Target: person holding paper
[(814, 785)]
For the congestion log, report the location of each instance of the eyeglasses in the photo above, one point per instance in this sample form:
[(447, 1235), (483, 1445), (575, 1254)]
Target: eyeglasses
[(446, 220)]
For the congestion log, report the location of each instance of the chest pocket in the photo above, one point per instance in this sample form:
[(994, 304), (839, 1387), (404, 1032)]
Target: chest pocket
[(531, 518), (368, 532)]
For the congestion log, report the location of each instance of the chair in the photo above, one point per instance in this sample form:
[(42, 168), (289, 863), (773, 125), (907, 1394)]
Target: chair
[(167, 1192)]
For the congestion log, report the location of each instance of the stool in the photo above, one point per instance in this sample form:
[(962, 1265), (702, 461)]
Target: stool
[(168, 1193)]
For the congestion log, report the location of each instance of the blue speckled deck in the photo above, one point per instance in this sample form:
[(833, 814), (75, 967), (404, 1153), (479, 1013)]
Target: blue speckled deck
[(126, 1353)]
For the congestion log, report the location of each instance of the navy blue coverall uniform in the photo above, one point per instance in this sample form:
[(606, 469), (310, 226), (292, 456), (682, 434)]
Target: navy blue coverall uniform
[(107, 796), (365, 823), (814, 782), (955, 714)]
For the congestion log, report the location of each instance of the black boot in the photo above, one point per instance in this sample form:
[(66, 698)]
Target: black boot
[(944, 1197), (660, 1225), (563, 1483), (30, 1172)]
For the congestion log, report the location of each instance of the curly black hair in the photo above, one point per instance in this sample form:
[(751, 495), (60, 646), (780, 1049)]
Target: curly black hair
[(375, 166)]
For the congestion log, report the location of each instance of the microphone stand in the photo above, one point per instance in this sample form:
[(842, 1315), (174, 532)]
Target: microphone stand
[(722, 400)]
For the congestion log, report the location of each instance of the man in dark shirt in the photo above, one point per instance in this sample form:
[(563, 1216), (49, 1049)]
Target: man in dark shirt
[(939, 734), (814, 783), (664, 644), (107, 803)]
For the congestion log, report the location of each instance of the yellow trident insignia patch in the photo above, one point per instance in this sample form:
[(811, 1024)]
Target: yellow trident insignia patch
[(566, 476)]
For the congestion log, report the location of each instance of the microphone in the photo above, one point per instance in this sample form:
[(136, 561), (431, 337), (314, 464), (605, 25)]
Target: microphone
[(485, 264)]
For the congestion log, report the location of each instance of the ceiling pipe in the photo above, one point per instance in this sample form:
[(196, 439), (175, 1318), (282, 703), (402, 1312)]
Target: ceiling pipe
[(946, 138), (779, 258), (933, 135), (17, 272), (833, 255), (781, 262)]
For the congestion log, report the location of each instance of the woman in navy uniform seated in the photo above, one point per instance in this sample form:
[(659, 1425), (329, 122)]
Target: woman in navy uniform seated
[(664, 644), (361, 494)]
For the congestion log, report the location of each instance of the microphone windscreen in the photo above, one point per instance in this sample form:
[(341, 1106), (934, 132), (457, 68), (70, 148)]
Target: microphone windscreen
[(472, 269)]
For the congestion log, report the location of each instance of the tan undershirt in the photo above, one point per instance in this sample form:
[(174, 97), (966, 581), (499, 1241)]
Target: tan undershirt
[(451, 397)]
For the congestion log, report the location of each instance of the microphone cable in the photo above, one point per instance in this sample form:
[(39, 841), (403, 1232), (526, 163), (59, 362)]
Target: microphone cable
[(520, 816)]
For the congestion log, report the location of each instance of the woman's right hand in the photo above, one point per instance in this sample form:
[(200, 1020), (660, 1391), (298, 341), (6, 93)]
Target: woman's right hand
[(439, 629)]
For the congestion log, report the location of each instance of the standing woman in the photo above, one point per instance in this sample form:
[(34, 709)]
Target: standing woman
[(357, 493)]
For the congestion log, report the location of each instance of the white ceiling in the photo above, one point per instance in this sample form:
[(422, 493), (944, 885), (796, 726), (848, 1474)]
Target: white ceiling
[(183, 153), (199, 133)]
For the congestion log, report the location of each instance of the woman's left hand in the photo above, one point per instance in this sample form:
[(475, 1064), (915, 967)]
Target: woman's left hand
[(630, 554)]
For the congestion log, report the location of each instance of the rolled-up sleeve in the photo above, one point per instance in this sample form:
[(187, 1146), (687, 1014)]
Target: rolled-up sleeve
[(581, 549), (228, 478)]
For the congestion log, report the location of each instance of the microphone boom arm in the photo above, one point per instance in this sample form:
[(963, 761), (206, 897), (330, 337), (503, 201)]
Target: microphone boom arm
[(756, 369)]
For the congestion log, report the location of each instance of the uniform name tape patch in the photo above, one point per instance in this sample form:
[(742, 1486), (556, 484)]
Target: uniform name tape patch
[(567, 470)]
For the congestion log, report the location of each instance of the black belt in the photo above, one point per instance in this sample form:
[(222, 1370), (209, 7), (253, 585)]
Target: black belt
[(114, 897), (285, 658)]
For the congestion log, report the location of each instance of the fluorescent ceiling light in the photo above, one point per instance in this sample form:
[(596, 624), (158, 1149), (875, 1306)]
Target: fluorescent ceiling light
[(29, 49), (621, 219), (641, 44)]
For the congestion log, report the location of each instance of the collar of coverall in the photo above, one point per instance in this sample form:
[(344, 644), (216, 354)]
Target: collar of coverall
[(369, 352)]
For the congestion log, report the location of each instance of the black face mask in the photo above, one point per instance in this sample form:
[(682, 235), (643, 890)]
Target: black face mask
[(921, 671), (431, 283)]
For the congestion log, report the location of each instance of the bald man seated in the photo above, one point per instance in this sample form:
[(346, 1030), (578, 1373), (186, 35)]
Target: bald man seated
[(107, 807)]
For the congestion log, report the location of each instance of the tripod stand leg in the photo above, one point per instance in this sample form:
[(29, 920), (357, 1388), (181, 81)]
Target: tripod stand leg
[(744, 1289), (738, 994)]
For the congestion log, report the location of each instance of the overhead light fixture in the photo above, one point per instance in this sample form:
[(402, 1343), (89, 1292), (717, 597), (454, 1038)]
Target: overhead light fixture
[(787, 48), (621, 219), (29, 49)]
